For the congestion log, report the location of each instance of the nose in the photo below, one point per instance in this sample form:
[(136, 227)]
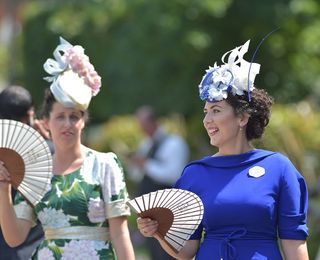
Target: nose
[(207, 119), (67, 121)]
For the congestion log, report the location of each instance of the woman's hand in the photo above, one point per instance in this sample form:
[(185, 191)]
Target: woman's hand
[(147, 227), (39, 125), (4, 177)]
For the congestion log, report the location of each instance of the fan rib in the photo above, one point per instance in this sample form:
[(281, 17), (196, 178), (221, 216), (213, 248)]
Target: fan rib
[(178, 213), (11, 128), (175, 238), (30, 146), (140, 210), (160, 200), (174, 198), (22, 138), (173, 243), (155, 197)]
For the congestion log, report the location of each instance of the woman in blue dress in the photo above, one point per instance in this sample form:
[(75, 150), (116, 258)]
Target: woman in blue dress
[(252, 198)]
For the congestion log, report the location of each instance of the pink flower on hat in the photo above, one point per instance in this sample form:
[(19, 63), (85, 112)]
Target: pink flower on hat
[(80, 64)]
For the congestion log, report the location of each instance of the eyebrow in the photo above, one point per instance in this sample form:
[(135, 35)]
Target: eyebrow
[(213, 106), (80, 113)]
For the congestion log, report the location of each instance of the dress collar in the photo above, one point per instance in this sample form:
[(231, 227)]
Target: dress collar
[(229, 161)]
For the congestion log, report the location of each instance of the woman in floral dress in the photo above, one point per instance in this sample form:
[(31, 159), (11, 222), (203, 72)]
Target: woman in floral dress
[(84, 213)]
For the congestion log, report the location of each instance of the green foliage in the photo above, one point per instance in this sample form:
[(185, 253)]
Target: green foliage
[(3, 63), (156, 51)]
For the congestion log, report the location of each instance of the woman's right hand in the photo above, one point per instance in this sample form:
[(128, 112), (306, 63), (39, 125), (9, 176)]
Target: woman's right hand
[(4, 177), (147, 227)]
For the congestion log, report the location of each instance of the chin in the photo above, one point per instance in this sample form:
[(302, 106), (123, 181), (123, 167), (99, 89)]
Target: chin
[(213, 143)]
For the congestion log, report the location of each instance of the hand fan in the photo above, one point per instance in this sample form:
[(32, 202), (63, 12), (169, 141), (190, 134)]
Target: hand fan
[(178, 213), (27, 157)]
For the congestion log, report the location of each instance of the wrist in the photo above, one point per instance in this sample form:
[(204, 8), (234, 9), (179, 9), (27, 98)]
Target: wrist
[(5, 194)]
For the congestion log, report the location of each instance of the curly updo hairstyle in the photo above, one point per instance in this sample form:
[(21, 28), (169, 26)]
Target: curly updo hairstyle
[(258, 109)]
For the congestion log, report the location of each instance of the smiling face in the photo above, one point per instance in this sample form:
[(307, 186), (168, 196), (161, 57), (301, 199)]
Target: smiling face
[(65, 125), (225, 129)]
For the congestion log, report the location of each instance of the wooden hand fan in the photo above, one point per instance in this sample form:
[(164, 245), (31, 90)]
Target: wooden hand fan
[(178, 213), (27, 157)]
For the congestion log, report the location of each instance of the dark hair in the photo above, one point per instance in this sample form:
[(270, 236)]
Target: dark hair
[(258, 109), (48, 103), (15, 102)]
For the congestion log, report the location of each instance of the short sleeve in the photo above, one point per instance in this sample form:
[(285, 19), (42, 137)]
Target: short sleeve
[(23, 210), (293, 205), (113, 186)]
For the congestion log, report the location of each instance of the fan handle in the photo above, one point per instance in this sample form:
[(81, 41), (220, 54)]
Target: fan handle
[(164, 217)]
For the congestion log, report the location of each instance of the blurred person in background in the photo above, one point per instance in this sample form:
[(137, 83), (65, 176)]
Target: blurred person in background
[(158, 162), (16, 104)]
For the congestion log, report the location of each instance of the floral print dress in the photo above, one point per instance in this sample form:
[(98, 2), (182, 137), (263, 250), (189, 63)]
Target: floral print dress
[(82, 202)]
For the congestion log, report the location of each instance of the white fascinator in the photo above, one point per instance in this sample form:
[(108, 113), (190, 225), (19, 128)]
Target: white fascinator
[(234, 76), (74, 79)]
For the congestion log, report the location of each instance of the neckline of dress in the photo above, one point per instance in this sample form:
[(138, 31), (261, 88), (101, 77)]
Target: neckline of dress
[(230, 161), (86, 154)]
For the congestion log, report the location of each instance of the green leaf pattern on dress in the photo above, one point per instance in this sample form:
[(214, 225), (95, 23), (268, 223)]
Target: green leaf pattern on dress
[(79, 199)]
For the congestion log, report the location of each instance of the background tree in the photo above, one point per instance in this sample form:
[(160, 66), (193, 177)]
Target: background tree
[(146, 48)]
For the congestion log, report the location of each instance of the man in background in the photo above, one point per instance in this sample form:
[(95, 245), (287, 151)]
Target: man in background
[(159, 160), (16, 104)]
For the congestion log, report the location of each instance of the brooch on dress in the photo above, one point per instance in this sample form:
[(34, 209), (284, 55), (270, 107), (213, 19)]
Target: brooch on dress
[(257, 171)]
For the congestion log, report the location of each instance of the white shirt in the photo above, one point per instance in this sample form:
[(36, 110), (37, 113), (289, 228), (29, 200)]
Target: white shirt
[(169, 160)]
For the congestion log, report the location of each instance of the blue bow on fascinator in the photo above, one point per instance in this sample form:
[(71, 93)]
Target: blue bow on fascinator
[(234, 76)]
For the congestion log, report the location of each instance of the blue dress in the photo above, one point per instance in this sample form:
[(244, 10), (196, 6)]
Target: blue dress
[(249, 201)]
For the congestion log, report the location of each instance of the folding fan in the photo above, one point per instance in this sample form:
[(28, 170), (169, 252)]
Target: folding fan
[(178, 213), (27, 157)]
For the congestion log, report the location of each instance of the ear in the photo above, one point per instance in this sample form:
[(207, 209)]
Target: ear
[(45, 123), (243, 119)]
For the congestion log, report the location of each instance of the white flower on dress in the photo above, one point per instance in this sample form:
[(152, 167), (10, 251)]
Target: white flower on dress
[(99, 245), (53, 218), (45, 254), (96, 210), (80, 250)]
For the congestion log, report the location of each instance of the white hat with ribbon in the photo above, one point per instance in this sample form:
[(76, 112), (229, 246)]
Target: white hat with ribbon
[(74, 79)]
